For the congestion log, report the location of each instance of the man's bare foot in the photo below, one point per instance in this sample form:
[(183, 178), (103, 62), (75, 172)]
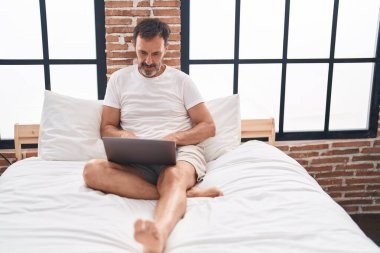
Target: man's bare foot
[(208, 192), (147, 233)]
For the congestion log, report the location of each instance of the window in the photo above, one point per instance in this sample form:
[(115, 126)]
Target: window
[(48, 45), (311, 65)]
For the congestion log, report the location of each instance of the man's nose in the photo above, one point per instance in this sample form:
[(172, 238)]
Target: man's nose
[(149, 60)]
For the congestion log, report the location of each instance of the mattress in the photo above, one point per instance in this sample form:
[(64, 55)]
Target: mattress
[(271, 204)]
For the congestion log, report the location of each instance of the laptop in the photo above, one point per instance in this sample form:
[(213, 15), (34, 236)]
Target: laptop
[(140, 151)]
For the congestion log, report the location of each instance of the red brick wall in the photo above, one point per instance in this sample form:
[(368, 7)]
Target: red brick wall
[(122, 17), (349, 170)]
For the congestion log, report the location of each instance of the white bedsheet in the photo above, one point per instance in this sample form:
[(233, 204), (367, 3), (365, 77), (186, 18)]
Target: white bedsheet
[(271, 204)]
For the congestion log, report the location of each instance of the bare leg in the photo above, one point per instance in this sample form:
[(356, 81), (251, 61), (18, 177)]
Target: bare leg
[(172, 186), (113, 178), (120, 180)]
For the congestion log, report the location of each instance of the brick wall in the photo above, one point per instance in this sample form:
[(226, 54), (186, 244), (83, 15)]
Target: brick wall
[(122, 17), (349, 170)]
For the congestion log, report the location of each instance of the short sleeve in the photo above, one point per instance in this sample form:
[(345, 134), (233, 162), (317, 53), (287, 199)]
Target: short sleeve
[(112, 97), (191, 94)]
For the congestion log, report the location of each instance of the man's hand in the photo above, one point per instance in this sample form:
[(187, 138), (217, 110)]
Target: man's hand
[(128, 134), (171, 137)]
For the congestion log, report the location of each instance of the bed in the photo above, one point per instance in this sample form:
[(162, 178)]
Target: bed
[(271, 204)]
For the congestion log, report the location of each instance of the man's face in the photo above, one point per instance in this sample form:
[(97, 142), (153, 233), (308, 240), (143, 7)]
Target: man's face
[(150, 53)]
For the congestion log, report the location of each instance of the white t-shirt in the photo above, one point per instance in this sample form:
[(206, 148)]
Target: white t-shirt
[(152, 107)]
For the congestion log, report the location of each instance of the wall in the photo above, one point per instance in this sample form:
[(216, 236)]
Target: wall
[(349, 170)]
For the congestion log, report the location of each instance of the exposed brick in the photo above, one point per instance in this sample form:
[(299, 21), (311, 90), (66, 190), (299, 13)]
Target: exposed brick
[(171, 20), (340, 152), (118, 4), (121, 54), (355, 201), (8, 154), (373, 187), (3, 162), (166, 12), (377, 142), (368, 173), (167, 3), (112, 70), (283, 148), (119, 29), (369, 180), (375, 208), (335, 174), (303, 162), (347, 188), (351, 209), (319, 168), (174, 46), (330, 160), (366, 158), (351, 144), (309, 147), (355, 166), (361, 194), (127, 13), (172, 54), (174, 37), (124, 62), (112, 38), (172, 62), (143, 3), (118, 21), (371, 150), (175, 29), (335, 194), (2, 169), (113, 47), (303, 154), (330, 181)]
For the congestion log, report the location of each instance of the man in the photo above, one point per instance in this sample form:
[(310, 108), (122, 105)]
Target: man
[(151, 100)]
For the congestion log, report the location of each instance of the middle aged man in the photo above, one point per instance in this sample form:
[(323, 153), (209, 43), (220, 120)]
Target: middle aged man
[(152, 100)]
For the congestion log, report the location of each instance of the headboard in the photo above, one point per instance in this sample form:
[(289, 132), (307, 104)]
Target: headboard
[(250, 128), (25, 134)]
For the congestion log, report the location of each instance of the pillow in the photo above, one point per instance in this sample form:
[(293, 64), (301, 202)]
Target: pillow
[(70, 129), (226, 114)]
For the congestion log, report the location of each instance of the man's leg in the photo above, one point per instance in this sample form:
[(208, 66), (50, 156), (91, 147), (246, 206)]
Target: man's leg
[(172, 186), (120, 180), (113, 178)]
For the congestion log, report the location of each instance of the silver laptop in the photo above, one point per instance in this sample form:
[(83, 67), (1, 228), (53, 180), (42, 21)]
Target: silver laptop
[(140, 151)]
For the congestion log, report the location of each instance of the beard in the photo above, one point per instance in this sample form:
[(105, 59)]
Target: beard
[(149, 70)]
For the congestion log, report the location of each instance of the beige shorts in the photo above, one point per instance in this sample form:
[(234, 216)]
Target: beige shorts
[(192, 154)]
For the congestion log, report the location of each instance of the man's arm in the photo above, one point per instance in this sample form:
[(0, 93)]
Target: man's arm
[(110, 123), (203, 127)]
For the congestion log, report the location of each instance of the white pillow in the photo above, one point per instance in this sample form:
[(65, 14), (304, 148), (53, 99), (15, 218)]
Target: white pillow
[(70, 129), (226, 114)]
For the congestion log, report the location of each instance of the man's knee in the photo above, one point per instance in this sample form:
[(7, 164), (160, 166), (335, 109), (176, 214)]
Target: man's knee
[(172, 176), (93, 171)]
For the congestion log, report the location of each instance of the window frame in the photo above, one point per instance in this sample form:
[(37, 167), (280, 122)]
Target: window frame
[(281, 135), (100, 60)]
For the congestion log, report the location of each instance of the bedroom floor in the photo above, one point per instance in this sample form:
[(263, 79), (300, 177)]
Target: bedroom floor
[(370, 224)]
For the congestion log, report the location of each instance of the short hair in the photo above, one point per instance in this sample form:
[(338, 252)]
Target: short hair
[(150, 28)]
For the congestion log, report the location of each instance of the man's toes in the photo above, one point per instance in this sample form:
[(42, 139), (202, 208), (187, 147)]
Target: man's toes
[(139, 225)]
